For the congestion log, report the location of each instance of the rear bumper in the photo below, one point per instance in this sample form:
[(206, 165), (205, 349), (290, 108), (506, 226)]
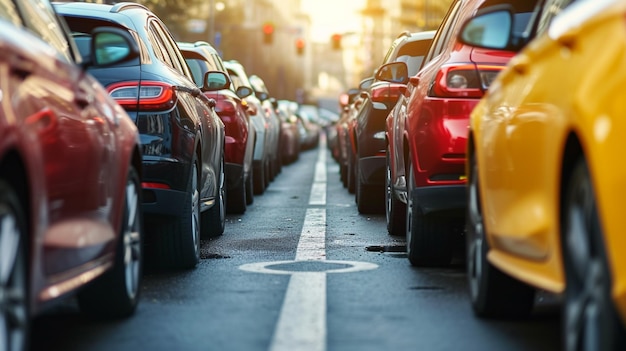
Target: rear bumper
[(450, 199)]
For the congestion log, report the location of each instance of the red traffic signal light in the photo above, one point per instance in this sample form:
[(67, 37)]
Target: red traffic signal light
[(336, 41), (268, 33), (300, 46)]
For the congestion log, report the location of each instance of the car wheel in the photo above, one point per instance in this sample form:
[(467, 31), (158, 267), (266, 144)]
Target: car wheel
[(395, 210), (428, 237), (590, 321), (259, 178), (250, 188), (343, 170), (213, 221), (492, 293), (237, 198), (14, 315), (116, 293), (178, 240), (350, 177), (268, 172), (369, 198)]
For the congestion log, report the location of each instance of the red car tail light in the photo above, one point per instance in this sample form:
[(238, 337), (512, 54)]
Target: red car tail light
[(226, 107), (148, 185), (387, 93), (463, 81), (144, 95)]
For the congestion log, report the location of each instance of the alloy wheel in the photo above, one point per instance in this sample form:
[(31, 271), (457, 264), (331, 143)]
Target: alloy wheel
[(132, 239)]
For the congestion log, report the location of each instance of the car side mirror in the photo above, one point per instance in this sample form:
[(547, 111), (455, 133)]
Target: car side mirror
[(243, 91), (110, 46), (489, 29), (215, 80), (394, 72)]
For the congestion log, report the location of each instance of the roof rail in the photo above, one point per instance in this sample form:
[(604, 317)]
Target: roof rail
[(126, 5), (405, 33), (201, 43)]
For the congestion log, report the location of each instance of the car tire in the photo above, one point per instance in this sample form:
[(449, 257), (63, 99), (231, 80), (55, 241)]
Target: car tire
[(116, 293), (14, 315), (213, 220), (237, 198), (259, 178), (177, 243), (590, 320), (369, 198), (350, 177), (492, 293), (250, 188), (428, 236), (343, 176), (395, 210)]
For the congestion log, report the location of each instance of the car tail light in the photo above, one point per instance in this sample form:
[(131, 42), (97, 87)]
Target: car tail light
[(144, 95), (467, 80), (227, 107), (147, 185), (387, 93)]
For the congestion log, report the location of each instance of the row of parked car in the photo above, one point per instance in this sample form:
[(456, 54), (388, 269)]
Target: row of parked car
[(119, 144), (505, 130)]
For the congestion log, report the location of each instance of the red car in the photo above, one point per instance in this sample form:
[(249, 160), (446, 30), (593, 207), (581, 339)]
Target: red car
[(212, 77), (427, 160), (70, 168)]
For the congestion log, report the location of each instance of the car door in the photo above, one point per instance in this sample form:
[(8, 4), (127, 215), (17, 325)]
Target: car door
[(519, 136), (51, 98)]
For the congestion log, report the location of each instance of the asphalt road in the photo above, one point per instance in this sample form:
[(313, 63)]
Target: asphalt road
[(302, 270)]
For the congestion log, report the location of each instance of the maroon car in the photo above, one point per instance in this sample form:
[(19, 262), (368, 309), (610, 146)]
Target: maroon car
[(205, 63), (70, 168)]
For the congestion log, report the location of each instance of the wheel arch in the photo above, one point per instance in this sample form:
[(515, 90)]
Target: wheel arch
[(572, 151)]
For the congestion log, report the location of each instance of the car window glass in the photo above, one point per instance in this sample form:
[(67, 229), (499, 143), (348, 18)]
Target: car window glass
[(41, 19), (551, 8), (178, 61), (198, 67), (157, 46), (9, 13), (440, 35)]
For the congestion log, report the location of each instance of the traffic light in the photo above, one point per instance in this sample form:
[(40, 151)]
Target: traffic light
[(336, 41), (300, 46), (268, 33)]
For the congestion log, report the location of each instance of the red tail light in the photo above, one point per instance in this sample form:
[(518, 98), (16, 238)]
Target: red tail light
[(387, 93), (144, 96), (462, 81), (147, 185), (226, 107)]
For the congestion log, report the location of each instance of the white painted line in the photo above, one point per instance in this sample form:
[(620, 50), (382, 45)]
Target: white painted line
[(266, 267), (318, 190), (302, 322), (312, 244)]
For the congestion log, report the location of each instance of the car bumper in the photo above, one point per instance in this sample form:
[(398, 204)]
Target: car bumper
[(441, 199)]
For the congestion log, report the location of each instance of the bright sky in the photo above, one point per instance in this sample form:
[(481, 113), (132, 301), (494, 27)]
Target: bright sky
[(332, 16)]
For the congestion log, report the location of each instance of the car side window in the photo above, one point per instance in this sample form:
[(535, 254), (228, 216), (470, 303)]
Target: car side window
[(9, 13), (158, 45), (442, 33), (551, 8), (177, 59), (40, 18)]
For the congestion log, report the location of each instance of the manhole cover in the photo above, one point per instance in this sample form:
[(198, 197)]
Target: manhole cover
[(308, 266)]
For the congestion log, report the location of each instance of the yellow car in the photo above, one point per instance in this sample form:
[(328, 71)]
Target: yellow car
[(546, 177)]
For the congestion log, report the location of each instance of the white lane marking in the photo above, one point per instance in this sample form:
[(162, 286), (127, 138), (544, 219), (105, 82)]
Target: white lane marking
[(266, 267), (302, 322), (312, 244), (318, 190)]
